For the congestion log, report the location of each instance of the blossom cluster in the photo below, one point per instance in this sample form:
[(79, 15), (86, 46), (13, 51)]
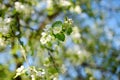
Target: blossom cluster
[(23, 8), (19, 6), (77, 9), (76, 33), (4, 25), (58, 30), (31, 70), (46, 37)]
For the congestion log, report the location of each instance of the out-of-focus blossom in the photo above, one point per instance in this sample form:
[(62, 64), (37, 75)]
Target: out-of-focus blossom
[(33, 77), (2, 42), (75, 33), (57, 29), (45, 38), (65, 3), (69, 21), (19, 6), (77, 9), (4, 25), (49, 3), (41, 73), (47, 28), (23, 8), (7, 20), (2, 6), (20, 69)]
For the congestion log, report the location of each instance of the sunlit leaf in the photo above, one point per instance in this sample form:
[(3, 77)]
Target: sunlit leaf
[(60, 36), (57, 24)]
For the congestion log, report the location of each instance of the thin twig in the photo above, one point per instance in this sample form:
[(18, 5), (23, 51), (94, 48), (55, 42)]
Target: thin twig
[(19, 36), (53, 61)]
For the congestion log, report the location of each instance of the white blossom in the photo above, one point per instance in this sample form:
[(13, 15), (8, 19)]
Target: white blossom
[(57, 29), (7, 20), (41, 73), (33, 77), (77, 9), (49, 3), (23, 8), (45, 38), (43, 41), (65, 3), (20, 69), (19, 6), (55, 78), (2, 42), (75, 33), (70, 21), (4, 25), (47, 28)]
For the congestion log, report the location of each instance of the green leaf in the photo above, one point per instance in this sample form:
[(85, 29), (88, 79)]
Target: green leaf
[(57, 24), (60, 36), (52, 70), (69, 31)]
